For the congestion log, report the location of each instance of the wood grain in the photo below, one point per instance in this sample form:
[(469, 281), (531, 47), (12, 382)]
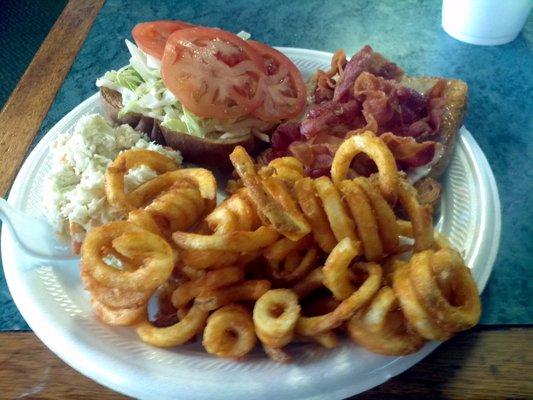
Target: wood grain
[(486, 363), (25, 110)]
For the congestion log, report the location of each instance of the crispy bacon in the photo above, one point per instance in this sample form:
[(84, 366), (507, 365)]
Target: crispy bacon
[(331, 117), (364, 93), (366, 60), (408, 152), (285, 134)]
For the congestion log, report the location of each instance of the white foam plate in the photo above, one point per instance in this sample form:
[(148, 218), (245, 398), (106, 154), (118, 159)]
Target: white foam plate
[(54, 304)]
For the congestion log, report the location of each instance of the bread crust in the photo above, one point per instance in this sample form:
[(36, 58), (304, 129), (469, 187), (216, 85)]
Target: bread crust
[(205, 151), (454, 111)]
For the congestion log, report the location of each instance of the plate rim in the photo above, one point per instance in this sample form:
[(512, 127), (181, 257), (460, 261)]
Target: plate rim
[(88, 367)]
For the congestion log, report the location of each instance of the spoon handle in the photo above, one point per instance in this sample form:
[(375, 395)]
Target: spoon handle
[(6, 213), (32, 234)]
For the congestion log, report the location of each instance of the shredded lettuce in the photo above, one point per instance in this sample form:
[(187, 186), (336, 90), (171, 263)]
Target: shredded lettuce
[(144, 92), (128, 78)]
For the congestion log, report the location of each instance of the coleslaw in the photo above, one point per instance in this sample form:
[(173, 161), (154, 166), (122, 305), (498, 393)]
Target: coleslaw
[(74, 189)]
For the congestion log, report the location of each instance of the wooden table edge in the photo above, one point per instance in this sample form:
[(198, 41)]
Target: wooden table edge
[(24, 111), (488, 362)]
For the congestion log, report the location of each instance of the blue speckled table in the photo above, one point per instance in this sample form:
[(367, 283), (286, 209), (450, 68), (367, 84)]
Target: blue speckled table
[(408, 32)]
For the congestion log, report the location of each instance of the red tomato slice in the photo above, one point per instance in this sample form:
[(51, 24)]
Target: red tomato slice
[(286, 94), (152, 36), (214, 73)]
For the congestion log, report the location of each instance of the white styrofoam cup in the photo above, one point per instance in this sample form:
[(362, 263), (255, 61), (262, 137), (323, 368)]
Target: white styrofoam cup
[(485, 22)]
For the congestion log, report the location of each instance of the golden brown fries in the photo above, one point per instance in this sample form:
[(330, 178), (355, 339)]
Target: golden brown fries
[(288, 169), (229, 332), (374, 147), (282, 214), (275, 315), (114, 182), (284, 258), (382, 328)]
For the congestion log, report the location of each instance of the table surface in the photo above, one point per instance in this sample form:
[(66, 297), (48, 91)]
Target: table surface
[(492, 360)]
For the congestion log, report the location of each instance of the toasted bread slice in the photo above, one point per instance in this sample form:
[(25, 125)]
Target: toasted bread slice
[(208, 150), (456, 94)]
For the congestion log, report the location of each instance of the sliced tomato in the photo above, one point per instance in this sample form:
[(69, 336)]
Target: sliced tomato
[(214, 73), (152, 36), (285, 91)]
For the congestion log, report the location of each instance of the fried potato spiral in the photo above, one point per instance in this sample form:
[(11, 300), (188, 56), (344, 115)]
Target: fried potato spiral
[(236, 217), (229, 332), (444, 288), (337, 273), (381, 327), (271, 197), (114, 179), (187, 291), (353, 209), (178, 208), (119, 296), (367, 142), (249, 290), (275, 315), (288, 169), (315, 214), (130, 242), (413, 309), (176, 334), (285, 258), (289, 261), (310, 326)]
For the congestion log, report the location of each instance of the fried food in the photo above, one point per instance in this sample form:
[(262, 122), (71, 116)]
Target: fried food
[(229, 332), (132, 243), (187, 291), (232, 241), (385, 218), (174, 335), (337, 273), (202, 178), (178, 208), (340, 222), (327, 339), (413, 310), (275, 315), (309, 284), (365, 221), (117, 316), (445, 288), (289, 261), (204, 259), (235, 213), (374, 147), (285, 258), (119, 296), (249, 290), (421, 216), (290, 222), (114, 185), (288, 169), (381, 327), (315, 214), (310, 326)]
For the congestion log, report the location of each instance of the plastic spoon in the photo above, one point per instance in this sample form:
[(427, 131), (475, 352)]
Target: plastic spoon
[(33, 234)]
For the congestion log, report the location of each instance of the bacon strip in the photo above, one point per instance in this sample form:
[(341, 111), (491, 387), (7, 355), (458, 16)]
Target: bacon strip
[(408, 152), (363, 93)]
